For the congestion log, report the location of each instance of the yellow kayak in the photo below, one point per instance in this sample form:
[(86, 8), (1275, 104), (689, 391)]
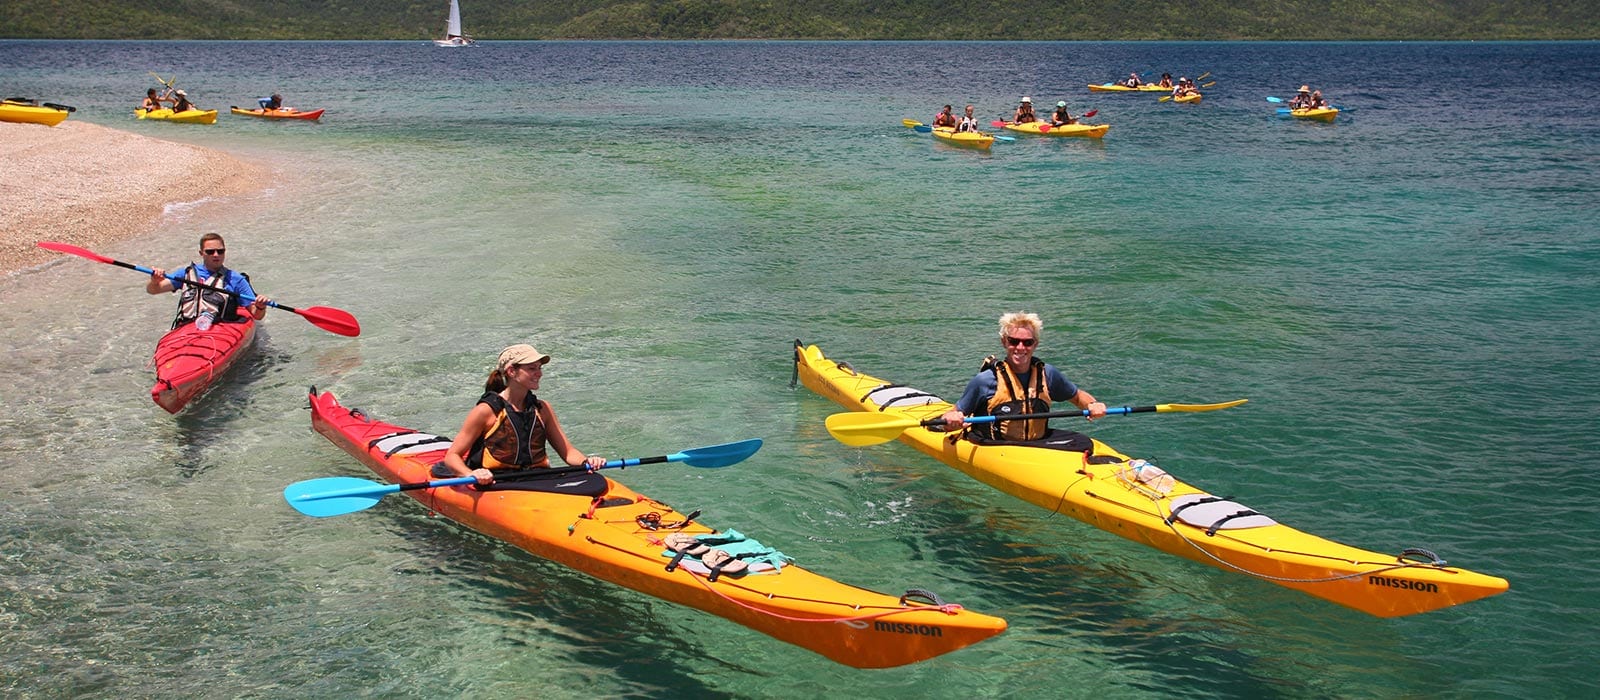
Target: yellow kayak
[(1321, 114), (1113, 87), (1092, 131), (188, 116), (1129, 497), (1188, 98), (967, 139), (27, 113)]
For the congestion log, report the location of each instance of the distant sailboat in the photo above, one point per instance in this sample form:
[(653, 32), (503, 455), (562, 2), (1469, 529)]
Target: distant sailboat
[(452, 29)]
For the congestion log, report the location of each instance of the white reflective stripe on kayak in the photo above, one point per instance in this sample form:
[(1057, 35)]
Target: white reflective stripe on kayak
[(410, 443), (896, 395), (1214, 513)]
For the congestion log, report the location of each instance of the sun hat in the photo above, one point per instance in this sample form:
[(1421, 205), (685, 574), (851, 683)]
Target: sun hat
[(520, 354), (1062, 103), (1305, 88), (182, 94), (1027, 99)]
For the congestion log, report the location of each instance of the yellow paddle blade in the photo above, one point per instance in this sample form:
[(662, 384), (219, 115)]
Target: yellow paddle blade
[(1197, 407), (1164, 99), (911, 123), (862, 429)]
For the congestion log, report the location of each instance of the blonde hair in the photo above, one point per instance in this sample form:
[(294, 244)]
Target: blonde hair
[(1019, 319)]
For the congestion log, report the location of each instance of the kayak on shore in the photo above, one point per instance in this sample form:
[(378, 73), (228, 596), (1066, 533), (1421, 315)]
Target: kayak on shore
[(25, 111), (601, 528), (1087, 480)]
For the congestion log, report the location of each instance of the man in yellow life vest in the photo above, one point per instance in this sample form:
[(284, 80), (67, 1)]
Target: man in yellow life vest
[(1020, 384)]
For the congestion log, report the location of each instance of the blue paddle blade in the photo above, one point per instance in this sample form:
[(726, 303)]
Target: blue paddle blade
[(922, 128), (335, 495), (1274, 99), (717, 455), (998, 137)]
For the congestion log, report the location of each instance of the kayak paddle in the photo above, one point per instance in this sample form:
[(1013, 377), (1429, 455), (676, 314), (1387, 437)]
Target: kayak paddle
[(922, 128), (338, 495), (329, 319), (859, 429), (911, 123)]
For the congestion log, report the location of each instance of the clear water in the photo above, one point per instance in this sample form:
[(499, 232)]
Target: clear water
[(1408, 296)]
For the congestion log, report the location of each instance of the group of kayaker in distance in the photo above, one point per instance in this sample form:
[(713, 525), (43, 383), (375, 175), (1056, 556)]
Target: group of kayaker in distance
[(1306, 98), (177, 98)]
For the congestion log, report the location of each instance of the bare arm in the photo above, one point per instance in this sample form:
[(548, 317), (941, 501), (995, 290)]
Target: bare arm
[(478, 420)]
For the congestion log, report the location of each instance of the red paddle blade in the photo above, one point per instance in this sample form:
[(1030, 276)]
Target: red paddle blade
[(1090, 113), (1044, 128), (997, 123), (332, 320), (74, 250)]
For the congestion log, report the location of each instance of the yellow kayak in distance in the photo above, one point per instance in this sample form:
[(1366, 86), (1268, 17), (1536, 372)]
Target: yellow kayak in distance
[(1127, 497), (1113, 87), (188, 116), (1188, 98), (965, 139), (1093, 131), (1321, 114)]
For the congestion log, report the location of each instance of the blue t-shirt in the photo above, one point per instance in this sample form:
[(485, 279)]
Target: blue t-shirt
[(975, 400), (235, 282)]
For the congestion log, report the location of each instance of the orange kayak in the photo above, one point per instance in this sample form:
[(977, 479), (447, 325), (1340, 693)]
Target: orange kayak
[(188, 359), (617, 535), (287, 113)]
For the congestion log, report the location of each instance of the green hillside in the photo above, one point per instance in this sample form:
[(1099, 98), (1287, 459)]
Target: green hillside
[(804, 19)]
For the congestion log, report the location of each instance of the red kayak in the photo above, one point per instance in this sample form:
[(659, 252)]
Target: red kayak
[(189, 359), (278, 113)]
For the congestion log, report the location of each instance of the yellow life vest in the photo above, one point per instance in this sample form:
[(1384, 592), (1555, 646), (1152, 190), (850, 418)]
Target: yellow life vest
[(1012, 398)]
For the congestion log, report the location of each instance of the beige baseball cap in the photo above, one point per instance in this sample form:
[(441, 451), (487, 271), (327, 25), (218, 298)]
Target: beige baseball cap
[(521, 354)]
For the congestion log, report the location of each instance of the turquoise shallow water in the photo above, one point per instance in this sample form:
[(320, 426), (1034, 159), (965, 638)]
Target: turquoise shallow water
[(1407, 296)]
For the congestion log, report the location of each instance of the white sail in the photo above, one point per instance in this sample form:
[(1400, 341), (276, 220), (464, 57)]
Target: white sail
[(452, 29), (452, 26)]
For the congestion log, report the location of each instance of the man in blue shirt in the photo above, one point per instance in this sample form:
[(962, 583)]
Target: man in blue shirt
[(1020, 384), (195, 300)]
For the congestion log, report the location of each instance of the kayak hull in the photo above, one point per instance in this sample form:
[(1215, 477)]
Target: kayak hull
[(1100, 489), (29, 114), (1093, 131), (605, 539), (1113, 87), (1321, 114), (188, 116), (188, 360), (278, 113), (964, 139), (1188, 98)]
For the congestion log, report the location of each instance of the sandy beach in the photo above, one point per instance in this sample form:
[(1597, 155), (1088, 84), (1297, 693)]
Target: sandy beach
[(78, 183)]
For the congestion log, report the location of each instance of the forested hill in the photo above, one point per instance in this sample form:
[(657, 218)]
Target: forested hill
[(806, 19)]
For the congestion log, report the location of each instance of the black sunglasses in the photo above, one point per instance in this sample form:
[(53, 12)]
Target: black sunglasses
[(215, 251), (1024, 342)]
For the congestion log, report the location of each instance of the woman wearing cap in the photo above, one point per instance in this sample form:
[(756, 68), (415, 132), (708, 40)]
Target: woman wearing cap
[(1061, 117), (1025, 112), (182, 104), (1301, 99), (509, 426)]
